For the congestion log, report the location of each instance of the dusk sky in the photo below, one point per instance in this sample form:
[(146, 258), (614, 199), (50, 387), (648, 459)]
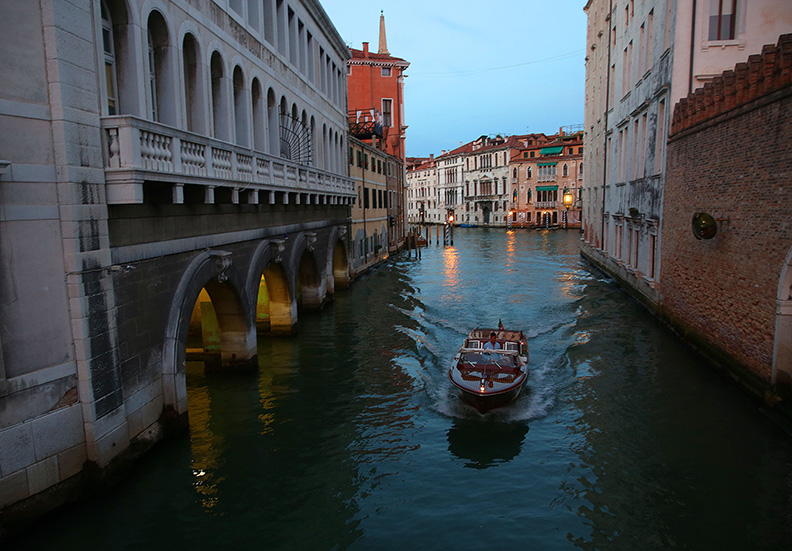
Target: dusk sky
[(497, 67)]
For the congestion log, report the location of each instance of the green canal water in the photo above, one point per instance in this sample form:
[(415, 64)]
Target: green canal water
[(350, 436)]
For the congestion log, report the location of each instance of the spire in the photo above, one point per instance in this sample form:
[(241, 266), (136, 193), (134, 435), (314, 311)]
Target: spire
[(383, 43)]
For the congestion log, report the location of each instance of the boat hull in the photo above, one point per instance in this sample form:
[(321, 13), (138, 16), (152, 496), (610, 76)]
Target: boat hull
[(487, 402)]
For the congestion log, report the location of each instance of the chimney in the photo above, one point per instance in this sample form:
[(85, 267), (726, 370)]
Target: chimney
[(431, 156), (365, 49)]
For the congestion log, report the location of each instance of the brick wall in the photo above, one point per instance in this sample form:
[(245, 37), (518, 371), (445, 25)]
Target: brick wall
[(729, 156)]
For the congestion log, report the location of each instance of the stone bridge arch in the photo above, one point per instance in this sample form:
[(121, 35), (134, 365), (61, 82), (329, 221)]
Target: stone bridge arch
[(782, 344), (269, 284), (214, 271), (310, 286), (338, 261)]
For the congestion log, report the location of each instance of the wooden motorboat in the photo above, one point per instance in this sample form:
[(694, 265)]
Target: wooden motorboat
[(490, 368)]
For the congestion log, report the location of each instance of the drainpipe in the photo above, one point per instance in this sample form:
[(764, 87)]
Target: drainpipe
[(607, 108), (692, 51)]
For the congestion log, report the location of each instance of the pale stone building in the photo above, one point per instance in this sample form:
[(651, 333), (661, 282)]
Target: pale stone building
[(422, 193), (113, 113), (486, 181)]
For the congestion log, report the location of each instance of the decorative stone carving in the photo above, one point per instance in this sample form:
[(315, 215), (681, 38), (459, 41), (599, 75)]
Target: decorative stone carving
[(310, 241), (222, 262), (280, 248)]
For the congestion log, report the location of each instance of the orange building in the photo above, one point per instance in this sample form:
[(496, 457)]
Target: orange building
[(375, 96)]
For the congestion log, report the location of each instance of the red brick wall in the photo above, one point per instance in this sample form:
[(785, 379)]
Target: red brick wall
[(730, 155)]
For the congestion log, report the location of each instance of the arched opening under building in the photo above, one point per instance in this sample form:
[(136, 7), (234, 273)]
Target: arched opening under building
[(273, 305), (308, 284), (340, 266), (218, 330)]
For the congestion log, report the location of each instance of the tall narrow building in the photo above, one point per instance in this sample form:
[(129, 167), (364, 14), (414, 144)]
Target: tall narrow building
[(375, 83)]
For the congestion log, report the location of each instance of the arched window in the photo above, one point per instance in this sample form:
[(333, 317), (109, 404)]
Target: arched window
[(220, 115), (240, 108), (566, 170), (272, 123), (193, 86), (514, 173), (259, 120), (529, 173), (161, 72), (111, 78)]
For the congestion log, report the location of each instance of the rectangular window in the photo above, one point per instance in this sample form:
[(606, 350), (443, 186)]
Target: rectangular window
[(387, 112), (721, 19), (660, 137), (365, 198), (649, 39), (386, 71)]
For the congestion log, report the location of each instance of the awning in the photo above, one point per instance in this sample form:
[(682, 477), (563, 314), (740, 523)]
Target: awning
[(547, 164), (546, 188), (551, 150)]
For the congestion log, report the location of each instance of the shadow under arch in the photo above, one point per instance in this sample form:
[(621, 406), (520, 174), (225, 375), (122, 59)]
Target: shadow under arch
[(340, 259), (214, 271), (308, 287), (268, 281)]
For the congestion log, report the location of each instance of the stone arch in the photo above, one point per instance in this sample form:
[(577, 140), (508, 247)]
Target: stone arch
[(258, 116), (214, 271), (240, 103), (782, 343), (268, 280), (161, 67), (340, 258), (308, 285), (193, 79), (273, 141), (221, 128)]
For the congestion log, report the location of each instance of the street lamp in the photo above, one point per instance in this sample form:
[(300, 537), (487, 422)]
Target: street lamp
[(567, 203)]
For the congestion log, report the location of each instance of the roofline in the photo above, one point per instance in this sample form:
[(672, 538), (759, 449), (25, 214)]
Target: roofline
[(324, 22)]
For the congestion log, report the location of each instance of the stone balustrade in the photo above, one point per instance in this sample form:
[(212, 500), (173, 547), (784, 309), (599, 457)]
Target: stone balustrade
[(137, 150)]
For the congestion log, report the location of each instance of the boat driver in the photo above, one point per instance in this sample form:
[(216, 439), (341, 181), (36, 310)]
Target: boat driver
[(492, 344)]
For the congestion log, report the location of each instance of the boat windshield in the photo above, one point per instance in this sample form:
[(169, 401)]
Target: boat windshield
[(488, 358)]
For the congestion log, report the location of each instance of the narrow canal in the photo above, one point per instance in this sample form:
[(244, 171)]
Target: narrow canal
[(350, 436)]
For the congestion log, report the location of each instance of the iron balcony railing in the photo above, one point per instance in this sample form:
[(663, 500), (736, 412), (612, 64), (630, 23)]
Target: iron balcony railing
[(365, 124)]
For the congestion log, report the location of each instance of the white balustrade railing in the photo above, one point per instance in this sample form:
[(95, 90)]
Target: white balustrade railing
[(138, 150)]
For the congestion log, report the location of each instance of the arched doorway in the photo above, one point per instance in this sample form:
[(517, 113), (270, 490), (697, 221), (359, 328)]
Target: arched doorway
[(485, 212), (782, 345)]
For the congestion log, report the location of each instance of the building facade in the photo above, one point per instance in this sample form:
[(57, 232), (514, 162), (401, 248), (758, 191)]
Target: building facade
[(374, 214), (727, 286), (375, 83), (546, 181), (641, 57), (423, 204), (153, 150)]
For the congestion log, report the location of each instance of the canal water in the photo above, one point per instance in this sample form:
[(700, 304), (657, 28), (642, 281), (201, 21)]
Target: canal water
[(351, 437)]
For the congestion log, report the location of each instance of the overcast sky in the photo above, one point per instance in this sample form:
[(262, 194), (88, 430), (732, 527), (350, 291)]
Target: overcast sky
[(478, 67)]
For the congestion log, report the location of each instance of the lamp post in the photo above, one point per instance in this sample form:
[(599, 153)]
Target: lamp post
[(567, 204)]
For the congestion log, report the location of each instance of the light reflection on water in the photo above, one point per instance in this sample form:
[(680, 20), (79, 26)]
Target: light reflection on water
[(352, 437)]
